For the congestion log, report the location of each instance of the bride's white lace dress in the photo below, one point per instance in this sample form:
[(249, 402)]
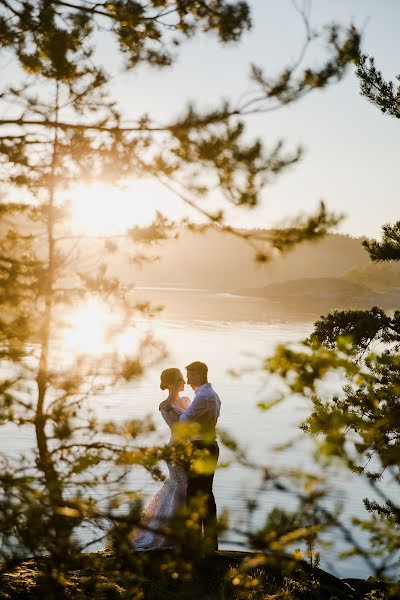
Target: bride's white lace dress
[(170, 497)]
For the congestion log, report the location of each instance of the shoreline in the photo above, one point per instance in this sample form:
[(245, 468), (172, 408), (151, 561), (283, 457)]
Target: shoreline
[(97, 575)]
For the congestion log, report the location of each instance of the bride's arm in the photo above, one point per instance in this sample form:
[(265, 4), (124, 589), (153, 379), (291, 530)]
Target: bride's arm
[(168, 413), (164, 405)]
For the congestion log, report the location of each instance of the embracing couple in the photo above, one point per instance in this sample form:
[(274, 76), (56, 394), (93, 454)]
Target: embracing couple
[(186, 487)]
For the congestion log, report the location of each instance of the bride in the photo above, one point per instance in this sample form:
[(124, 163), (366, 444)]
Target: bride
[(172, 495)]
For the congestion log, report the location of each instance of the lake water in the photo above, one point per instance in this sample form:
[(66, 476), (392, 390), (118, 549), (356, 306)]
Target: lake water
[(224, 345)]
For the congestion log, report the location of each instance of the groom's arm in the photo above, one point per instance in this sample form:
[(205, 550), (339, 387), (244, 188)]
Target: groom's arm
[(198, 407)]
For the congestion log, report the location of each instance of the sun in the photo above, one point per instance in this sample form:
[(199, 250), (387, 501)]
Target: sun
[(98, 208)]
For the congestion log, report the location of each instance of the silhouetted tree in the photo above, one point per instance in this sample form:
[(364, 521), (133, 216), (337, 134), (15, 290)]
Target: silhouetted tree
[(384, 94), (359, 425)]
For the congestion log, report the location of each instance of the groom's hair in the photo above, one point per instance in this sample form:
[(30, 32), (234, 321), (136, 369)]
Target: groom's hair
[(199, 368)]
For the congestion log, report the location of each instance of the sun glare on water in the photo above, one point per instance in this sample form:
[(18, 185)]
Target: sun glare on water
[(101, 209), (93, 329), (87, 328)]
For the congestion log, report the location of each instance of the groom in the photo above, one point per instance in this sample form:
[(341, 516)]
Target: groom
[(204, 410)]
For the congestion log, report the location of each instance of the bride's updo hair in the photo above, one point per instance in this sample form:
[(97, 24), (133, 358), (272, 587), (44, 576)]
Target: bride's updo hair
[(169, 377)]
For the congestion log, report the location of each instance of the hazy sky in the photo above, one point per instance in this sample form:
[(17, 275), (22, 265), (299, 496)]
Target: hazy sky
[(352, 151)]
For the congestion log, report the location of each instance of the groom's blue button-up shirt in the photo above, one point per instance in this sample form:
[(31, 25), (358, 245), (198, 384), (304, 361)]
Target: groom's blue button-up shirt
[(204, 410)]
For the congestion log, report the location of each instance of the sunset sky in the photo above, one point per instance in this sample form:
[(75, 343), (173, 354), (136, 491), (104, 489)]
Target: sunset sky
[(352, 151)]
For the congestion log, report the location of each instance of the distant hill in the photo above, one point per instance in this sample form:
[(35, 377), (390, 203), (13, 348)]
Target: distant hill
[(324, 293), (218, 261), (323, 287), (300, 299)]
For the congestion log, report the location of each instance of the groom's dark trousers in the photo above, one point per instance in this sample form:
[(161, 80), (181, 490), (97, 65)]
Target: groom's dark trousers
[(200, 485)]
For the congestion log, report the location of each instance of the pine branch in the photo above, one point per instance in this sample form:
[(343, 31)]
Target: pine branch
[(389, 248)]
